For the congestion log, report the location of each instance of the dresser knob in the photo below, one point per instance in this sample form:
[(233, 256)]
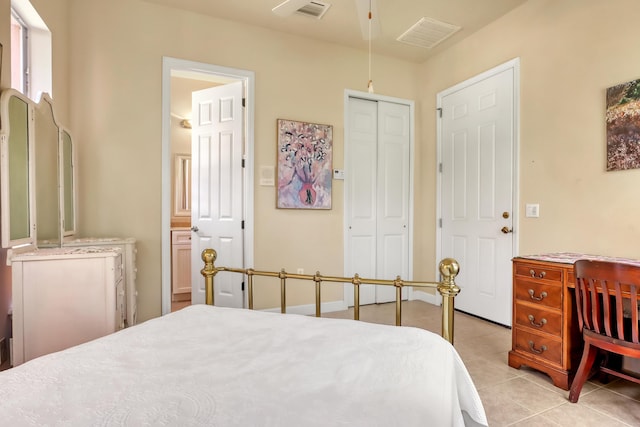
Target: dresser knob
[(542, 296), (532, 320)]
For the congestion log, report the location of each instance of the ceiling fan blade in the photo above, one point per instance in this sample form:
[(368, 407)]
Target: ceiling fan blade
[(288, 7), (363, 17)]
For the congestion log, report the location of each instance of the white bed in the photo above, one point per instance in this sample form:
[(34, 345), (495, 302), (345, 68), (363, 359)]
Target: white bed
[(207, 365)]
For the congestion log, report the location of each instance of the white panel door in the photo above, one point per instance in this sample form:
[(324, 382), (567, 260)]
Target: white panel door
[(393, 196), (377, 203), (362, 199), (477, 141), (217, 189)]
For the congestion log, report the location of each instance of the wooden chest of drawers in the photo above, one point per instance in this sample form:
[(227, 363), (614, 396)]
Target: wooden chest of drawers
[(545, 330)]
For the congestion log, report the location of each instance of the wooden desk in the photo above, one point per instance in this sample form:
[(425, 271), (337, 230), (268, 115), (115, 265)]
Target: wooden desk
[(545, 334)]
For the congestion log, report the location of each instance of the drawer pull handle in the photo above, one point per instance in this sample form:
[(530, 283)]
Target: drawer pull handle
[(532, 320), (542, 296), (540, 275), (535, 350)]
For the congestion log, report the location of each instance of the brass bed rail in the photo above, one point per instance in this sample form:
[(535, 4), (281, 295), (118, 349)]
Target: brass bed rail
[(449, 269)]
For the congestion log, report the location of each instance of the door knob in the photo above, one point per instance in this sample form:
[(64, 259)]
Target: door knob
[(194, 228), (506, 230)]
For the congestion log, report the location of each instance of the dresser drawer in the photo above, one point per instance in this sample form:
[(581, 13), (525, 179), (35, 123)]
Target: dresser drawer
[(549, 295), (538, 318), (538, 272), (181, 237), (541, 346)]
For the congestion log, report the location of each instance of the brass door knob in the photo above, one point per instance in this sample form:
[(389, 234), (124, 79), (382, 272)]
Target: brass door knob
[(506, 230)]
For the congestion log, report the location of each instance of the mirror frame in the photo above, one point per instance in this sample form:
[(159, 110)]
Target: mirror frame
[(5, 171), (182, 185), (67, 191)]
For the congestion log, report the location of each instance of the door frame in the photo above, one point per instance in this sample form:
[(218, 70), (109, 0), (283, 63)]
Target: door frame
[(511, 64), (349, 93), (215, 71)]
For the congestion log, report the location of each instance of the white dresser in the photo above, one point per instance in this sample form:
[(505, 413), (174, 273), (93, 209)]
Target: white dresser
[(129, 251), (63, 297)]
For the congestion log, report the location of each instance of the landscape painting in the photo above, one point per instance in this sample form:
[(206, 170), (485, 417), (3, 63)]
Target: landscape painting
[(623, 126)]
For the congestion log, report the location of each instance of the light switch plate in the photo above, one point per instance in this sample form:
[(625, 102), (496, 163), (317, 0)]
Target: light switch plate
[(338, 174), (532, 210)]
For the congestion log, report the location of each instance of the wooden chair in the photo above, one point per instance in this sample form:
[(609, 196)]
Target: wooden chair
[(607, 305)]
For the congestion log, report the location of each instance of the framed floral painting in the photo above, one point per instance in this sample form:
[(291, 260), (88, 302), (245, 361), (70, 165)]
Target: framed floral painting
[(305, 161)]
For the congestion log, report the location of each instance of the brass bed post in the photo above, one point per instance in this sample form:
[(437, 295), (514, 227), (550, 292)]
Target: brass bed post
[(449, 268), (209, 270), (398, 285), (283, 291), (356, 297), (250, 285), (317, 279)]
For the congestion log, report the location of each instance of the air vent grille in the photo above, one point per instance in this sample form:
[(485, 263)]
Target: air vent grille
[(314, 9), (428, 33)]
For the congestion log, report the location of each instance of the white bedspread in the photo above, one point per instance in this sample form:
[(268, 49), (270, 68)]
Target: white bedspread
[(226, 367)]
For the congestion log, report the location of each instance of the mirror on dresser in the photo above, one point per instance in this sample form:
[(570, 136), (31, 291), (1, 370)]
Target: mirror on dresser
[(182, 186), (37, 183)]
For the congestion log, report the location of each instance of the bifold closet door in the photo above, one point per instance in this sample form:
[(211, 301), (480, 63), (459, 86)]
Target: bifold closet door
[(377, 189)]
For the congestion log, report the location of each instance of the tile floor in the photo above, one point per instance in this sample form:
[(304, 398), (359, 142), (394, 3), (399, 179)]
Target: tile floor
[(514, 397)]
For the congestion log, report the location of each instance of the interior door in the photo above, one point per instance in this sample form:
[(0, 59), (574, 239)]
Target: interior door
[(377, 183), (217, 189), (477, 143)]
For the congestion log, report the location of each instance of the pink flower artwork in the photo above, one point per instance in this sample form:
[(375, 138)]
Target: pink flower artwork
[(304, 165)]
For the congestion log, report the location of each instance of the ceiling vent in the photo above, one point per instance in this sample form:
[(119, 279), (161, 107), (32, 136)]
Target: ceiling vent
[(428, 33), (314, 9)]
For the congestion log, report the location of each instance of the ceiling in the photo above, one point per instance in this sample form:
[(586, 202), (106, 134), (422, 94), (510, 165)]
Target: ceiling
[(341, 23)]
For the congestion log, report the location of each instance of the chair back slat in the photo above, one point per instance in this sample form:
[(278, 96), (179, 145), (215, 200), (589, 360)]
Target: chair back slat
[(619, 310), (634, 315), (606, 303), (596, 308)]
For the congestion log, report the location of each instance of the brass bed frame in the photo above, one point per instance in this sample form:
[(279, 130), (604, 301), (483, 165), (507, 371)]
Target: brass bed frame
[(449, 268)]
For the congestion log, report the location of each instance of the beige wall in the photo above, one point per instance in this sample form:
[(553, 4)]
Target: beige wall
[(570, 52), (116, 50)]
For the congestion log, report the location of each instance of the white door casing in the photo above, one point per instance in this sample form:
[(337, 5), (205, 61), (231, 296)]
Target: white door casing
[(221, 75), (217, 189), (378, 189), (477, 145)]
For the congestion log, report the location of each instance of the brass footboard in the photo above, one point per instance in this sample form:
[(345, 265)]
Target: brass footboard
[(449, 269)]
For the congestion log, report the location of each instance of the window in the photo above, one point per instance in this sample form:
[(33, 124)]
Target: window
[(30, 51), (19, 54)]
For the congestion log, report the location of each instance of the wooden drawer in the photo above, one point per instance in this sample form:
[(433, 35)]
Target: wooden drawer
[(538, 318), (541, 346), (544, 294), (181, 237), (538, 272)]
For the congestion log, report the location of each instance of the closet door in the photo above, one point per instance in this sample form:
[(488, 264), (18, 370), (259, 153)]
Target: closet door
[(377, 195)]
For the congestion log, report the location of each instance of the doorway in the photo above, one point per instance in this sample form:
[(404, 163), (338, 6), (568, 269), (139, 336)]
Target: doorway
[(477, 204), (217, 75), (379, 142)]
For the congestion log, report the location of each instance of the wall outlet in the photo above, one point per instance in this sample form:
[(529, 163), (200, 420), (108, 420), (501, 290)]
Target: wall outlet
[(4, 351), (300, 271)]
